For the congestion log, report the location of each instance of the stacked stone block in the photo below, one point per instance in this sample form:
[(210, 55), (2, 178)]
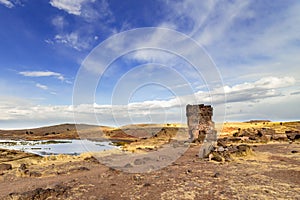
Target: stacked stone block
[(200, 124)]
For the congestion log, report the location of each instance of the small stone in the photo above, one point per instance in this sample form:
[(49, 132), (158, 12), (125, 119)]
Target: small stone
[(137, 178), (217, 157), (147, 185), (294, 151), (128, 165), (221, 149), (22, 167), (83, 169), (216, 175), (243, 148), (35, 174), (222, 143)]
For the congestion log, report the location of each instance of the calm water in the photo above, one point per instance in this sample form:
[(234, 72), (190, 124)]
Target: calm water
[(49, 147)]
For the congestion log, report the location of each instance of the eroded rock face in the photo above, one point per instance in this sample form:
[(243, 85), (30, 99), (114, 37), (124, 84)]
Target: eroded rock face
[(200, 124)]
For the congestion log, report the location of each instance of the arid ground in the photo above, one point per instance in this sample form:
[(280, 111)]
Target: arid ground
[(269, 170)]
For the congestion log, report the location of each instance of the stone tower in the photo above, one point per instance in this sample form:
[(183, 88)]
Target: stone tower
[(200, 124)]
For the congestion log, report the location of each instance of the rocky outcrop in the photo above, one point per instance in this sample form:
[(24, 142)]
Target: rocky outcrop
[(293, 135), (226, 153), (256, 135), (259, 135)]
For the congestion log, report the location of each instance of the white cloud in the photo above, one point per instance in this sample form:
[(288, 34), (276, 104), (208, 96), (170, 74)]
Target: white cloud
[(73, 40), (42, 74), (59, 22), (90, 10), (93, 17), (70, 6), (11, 3), (262, 84), (41, 86), (248, 100), (7, 3)]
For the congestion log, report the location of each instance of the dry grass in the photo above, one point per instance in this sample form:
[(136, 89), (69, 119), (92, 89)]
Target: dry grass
[(229, 128)]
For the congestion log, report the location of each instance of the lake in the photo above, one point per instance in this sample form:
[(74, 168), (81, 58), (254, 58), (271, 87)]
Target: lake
[(55, 147)]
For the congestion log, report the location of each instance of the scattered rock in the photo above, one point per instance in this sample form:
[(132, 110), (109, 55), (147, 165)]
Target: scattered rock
[(257, 135), (243, 150), (228, 157), (205, 149), (128, 165), (221, 149), (292, 135), (41, 193), (221, 154), (91, 159), (216, 156), (147, 185), (137, 177), (222, 143), (35, 174), (23, 170), (139, 162), (280, 137), (243, 147), (216, 175), (22, 166), (4, 166), (79, 169)]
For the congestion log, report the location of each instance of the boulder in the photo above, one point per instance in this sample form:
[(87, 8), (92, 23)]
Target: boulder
[(4, 166), (206, 149), (292, 135)]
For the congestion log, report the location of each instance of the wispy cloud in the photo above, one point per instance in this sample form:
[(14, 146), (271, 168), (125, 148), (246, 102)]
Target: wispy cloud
[(43, 74), (74, 40), (59, 22), (93, 17), (70, 6), (11, 3), (88, 9), (41, 86), (7, 3)]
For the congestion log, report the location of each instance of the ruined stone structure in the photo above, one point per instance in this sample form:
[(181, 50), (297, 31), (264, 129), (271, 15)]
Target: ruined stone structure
[(200, 124)]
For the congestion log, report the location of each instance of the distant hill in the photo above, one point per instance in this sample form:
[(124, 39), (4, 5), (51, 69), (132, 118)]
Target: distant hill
[(257, 121), (62, 131)]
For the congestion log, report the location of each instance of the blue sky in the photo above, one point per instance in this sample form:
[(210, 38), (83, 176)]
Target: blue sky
[(253, 46)]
